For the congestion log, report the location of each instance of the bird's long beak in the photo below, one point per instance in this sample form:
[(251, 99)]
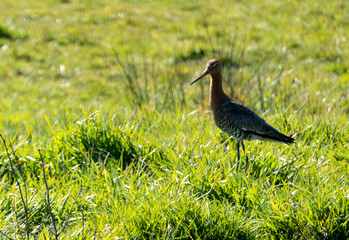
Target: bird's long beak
[(199, 77)]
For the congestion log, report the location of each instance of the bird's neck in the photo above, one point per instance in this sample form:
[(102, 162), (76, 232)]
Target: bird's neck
[(217, 95)]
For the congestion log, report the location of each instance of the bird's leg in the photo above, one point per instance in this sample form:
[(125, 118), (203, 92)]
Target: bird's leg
[(243, 148), (238, 149)]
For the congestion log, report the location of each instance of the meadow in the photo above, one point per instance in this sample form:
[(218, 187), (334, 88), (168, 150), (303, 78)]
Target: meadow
[(96, 114)]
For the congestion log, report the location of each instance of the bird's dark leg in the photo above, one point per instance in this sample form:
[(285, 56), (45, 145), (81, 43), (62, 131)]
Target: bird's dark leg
[(238, 149), (243, 148)]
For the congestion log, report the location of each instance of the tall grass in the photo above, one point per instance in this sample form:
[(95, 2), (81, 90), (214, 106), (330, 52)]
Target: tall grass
[(187, 187)]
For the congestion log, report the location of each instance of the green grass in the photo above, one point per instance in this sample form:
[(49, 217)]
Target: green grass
[(101, 88)]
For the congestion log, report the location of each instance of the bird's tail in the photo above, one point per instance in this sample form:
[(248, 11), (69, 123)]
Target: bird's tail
[(289, 139), (274, 136)]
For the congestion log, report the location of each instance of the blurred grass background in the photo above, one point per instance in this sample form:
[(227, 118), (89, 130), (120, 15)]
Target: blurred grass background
[(102, 87)]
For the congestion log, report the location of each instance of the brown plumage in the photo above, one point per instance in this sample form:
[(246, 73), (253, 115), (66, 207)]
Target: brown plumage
[(233, 117)]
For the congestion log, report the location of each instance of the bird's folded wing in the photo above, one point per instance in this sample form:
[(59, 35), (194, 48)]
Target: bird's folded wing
[(245, 118)]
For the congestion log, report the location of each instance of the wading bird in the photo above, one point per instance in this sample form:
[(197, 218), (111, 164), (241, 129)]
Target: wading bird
[(234, 118)]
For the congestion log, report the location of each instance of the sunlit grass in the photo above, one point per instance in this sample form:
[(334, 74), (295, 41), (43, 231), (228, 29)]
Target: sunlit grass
[(102, 89), (185, 185)]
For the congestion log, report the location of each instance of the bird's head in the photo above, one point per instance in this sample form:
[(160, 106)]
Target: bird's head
[(212, 67)]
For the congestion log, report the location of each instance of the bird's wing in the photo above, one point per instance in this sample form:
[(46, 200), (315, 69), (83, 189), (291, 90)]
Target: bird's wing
[(249, 122), (245, 118)]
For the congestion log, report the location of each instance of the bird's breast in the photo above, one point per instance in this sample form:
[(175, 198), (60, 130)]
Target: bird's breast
[(226, 124)]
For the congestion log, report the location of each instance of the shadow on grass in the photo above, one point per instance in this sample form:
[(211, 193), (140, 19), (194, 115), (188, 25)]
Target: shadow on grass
[(278, 175), (314, 226), (190, 221), (94, 142), (5, 33)]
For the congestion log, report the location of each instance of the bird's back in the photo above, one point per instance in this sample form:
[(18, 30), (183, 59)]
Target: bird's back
[(239, 121)]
